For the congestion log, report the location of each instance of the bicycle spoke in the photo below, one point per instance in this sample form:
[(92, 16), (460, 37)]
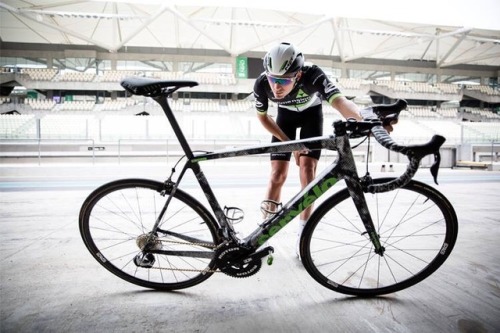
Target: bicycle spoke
[(413, 226), (118, 225)]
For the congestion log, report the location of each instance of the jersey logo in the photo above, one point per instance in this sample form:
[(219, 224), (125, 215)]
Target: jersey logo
[(329, 86), (301, 94)]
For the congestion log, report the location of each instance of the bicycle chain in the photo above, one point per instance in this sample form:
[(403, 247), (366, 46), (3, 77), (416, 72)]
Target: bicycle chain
[(208, 245), (190, 269)]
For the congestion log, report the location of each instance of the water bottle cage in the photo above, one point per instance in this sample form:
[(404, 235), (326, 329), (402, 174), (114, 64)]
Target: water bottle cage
[(270, 207), (234, 214)]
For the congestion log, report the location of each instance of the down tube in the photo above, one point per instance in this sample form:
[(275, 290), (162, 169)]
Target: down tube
[(296, 205)]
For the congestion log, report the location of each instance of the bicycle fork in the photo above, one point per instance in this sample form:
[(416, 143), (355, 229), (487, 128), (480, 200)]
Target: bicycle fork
[(356, 191)]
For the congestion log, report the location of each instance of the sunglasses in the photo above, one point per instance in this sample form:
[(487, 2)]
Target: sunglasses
[(282, 81)]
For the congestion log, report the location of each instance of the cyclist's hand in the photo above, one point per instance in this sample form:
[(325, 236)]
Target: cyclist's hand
[(296, 155)]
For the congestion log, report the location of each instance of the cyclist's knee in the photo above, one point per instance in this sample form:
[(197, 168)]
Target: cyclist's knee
[(308, 168), (278, 176), (279, 172)]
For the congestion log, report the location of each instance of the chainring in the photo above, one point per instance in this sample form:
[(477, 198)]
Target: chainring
[(232, 260)]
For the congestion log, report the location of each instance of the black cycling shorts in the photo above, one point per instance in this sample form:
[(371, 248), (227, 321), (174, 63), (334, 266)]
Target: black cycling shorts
[(310, 122)]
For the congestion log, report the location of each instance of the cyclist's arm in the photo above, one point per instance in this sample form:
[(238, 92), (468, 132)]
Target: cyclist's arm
[(347, 108), (331, 93), (261, 105), (271, 126)]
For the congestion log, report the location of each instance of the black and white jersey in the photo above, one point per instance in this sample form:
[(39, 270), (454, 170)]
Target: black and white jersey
[(307, 92)]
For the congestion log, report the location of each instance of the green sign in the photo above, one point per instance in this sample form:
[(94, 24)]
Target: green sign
[(32, 94), (242, 67)]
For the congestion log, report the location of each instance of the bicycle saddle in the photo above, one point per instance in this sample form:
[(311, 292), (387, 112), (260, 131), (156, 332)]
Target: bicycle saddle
[(152, 87)]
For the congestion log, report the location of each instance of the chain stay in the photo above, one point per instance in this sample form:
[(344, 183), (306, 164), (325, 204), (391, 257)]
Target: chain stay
[(189, 269)]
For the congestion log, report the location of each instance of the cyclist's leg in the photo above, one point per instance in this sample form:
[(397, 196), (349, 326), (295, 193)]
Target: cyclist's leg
[(279, 173), (280, 161), (307, 172), (311, 126)]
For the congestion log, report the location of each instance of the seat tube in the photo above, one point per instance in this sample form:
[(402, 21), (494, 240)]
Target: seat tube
[(163, 101)]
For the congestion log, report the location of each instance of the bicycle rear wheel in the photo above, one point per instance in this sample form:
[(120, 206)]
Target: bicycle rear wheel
[(417, 226), (116, 221)]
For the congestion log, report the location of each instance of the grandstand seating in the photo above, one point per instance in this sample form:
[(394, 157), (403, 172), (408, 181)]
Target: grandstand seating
[(482, 113), (113, 119), (394, 85), (76, 77), (448, 88), (115, 76), (423, 112), (76, 106), (4, 100), (484, 89), (73, 120), (482, 131), (448, 113), (59, 126), (40, 74), (40, 104), (48, 74), (17, 126), (350, 83)]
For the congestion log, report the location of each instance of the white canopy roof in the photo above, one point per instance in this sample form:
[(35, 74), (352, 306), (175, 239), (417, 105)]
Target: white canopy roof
[(447, 32)]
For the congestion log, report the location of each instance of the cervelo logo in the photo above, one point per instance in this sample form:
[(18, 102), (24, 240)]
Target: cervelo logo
[(309, 198)]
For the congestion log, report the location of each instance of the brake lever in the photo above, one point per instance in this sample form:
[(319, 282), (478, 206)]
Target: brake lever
[(362, 128), (435, 167)]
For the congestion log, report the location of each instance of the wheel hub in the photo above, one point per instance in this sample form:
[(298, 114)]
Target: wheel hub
[(147, 242)]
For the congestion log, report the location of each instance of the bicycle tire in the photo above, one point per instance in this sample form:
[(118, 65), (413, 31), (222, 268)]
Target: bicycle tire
[(116, 216), (418, 237)]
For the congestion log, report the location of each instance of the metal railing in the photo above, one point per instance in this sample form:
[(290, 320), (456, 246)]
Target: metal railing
[(6, 148)]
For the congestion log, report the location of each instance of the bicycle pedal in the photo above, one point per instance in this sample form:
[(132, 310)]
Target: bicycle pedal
[(270, 260), (261, 254)]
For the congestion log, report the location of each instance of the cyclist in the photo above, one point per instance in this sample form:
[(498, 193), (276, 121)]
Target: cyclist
[(298, 90)]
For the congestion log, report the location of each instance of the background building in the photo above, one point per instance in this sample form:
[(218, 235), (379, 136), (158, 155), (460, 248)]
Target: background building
[(61, 64)]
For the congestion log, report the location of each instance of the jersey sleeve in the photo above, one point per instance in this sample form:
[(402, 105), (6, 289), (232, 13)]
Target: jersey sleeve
[(323, 85), (259, 92)]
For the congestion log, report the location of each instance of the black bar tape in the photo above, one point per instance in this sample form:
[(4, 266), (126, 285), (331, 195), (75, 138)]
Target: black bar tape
[(386, 141)]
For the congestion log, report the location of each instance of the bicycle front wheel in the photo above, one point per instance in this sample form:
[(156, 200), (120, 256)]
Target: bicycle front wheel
[(417, 226), (116, 222)]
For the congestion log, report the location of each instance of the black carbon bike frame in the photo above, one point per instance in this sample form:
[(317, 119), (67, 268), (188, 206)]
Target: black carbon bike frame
[(343, 168)]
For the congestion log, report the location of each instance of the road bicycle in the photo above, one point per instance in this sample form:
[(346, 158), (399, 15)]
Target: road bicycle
[(372, 237)]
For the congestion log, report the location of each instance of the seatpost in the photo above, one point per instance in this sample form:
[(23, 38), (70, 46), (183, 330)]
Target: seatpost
[(163, 101)]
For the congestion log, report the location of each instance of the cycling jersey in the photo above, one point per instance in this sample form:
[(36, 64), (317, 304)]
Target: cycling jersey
[(310, 124), (308, 90)]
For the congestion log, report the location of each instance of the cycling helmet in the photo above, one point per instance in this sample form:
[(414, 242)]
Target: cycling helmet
[(283, 59)]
